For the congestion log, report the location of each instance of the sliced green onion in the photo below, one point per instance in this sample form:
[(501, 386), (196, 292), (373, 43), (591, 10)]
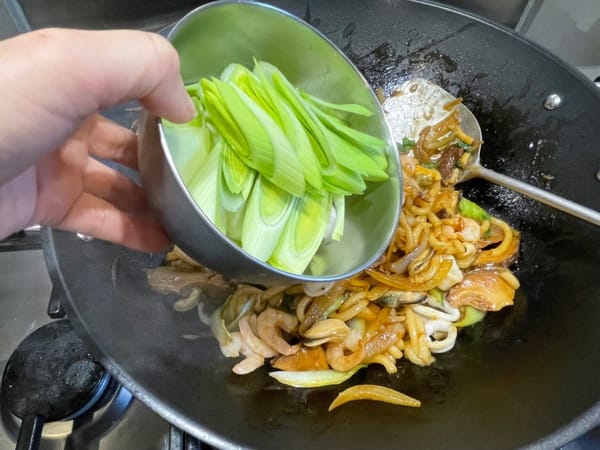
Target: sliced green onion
[(228, 200), (222, 120), (235, 224)]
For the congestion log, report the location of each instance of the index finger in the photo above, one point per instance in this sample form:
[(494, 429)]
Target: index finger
[(53, 79), (117, 66)]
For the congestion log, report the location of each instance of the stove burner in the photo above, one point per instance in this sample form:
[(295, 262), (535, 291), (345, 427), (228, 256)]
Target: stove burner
[(51, 376)]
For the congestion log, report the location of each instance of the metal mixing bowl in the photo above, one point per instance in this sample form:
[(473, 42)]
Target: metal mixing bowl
[(207, 40)]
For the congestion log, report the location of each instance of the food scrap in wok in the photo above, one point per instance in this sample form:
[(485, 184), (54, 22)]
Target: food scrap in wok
[(446, 266)]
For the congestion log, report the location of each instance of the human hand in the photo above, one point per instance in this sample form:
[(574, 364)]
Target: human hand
[(52, 85)]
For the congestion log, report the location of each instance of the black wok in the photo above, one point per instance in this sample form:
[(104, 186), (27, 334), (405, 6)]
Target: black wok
[(525, 376)]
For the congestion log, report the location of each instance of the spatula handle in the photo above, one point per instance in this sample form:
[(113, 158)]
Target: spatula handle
[(540, 195)]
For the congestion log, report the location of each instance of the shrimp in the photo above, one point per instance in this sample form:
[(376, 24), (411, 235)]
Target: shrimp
[(251, 362), (268, 324), (471, 231), (339, 360), (255, 344)]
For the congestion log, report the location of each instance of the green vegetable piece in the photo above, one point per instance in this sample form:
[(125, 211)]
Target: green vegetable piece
[(194, 89), (472, 210), (260, 154), (204, 186), (222, 120), (313, 378), (297, 104), (354, 159), (189, 146), (407, 145), (344, 181), (301, 143), (247, 81), (430, 165), (238, 176), (471, 317), (339, 204), (294, 131), (287, 173), (229, 201), (303, 233), (466, 147), (371, 145), (235, 224), (438, 295), (267, 213), (326, 106)]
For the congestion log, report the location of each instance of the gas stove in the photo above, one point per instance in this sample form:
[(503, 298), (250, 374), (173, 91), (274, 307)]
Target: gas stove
[(49, 371), (91, 410)]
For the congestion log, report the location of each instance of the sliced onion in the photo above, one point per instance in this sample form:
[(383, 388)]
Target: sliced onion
[(189, 302), (447, 312), (204, 317), (401, 264), (252, 362), (317, 289), (253, 341), (373, 392)]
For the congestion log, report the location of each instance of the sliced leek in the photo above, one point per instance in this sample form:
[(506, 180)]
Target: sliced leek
[(270, 165), (266, 216), (204, 186), (190, 146), (303, 233), (325, 105)]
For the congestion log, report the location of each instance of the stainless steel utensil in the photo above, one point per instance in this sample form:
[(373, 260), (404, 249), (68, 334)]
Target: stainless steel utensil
[(210, 38), (421, 97)]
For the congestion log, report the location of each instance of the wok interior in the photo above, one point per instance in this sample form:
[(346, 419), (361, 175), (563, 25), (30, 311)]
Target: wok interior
[(511, 380)]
